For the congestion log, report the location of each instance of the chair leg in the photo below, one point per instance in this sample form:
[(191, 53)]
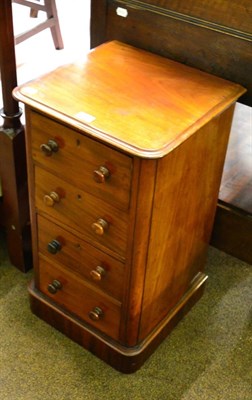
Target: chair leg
[(51, 11), (33, 13)]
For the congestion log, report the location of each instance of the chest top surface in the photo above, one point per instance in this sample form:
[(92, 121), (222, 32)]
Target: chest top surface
[(140, 102)]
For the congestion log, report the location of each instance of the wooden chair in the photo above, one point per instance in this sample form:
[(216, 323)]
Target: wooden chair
[(52, 21)]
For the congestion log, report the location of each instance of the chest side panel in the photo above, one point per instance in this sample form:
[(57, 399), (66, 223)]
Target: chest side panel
[(186, 194)]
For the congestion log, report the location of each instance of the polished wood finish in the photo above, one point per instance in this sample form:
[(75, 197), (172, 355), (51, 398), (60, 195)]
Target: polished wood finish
[(14, 206), (194, 176), (82, 258), (214, 36), (222, 25), (82, 154), (169, 124), (234, 14), (124, 359), (190, 33), (70, 298), (158, 87), (79, 210)]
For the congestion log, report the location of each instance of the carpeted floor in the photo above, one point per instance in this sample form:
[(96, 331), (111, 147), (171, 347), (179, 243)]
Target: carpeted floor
[(207, 356)]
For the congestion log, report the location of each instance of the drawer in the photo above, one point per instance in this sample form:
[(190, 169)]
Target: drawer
[(98, 268), (78, 298), (101, 224), (78, 160)]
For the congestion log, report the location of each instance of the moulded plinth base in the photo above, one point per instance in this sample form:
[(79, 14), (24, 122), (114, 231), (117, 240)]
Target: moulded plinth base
[(122, 358)]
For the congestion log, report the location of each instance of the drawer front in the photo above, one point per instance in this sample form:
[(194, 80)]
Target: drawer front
[(62, 247), (76, 297), (78, 160), (82, 212)]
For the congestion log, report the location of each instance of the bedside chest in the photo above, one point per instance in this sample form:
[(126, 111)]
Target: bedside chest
[(125, 156)]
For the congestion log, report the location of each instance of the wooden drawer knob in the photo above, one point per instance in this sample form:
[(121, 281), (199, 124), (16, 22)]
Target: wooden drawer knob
[(96, 314), (54, 286), (50, 147), (100, 226), (98, 273), (51, 198), (54, 246), (101, 174)]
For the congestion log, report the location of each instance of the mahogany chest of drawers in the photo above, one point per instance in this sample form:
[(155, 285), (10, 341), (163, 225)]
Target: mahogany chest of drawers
[(125, 155)]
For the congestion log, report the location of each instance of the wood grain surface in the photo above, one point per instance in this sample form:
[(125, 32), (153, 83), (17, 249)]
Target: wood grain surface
[(128, 97)]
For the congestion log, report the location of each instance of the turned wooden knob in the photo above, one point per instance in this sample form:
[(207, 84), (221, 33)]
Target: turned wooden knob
[(51, 198), (96, 314), (54, 246), (100, 226), (97, 273), (54, 286), (101, 174), (50, 147)]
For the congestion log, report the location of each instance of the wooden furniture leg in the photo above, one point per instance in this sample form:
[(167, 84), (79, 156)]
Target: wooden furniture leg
[(232, 231), (14, 206)]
